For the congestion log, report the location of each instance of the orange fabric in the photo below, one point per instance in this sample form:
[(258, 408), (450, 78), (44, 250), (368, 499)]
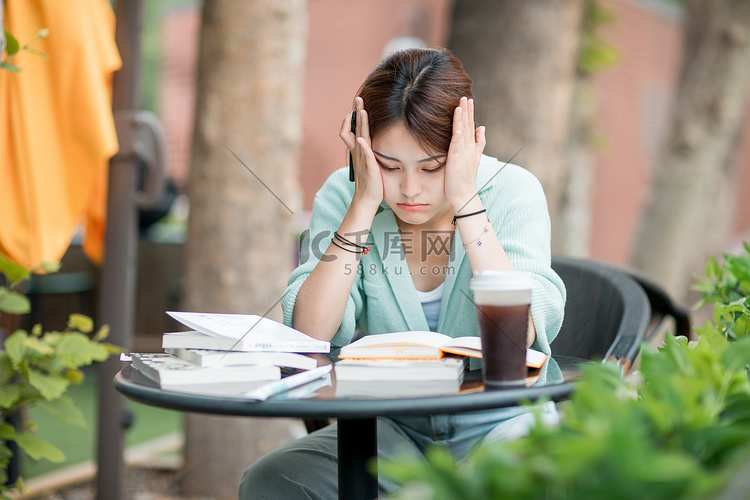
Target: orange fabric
[(56, 129)]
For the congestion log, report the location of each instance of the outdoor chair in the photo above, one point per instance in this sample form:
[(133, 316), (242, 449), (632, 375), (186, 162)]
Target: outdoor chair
[(662, 306), (607, 312)]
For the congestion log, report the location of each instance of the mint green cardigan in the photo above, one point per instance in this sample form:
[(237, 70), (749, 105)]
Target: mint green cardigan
[(383, 298)]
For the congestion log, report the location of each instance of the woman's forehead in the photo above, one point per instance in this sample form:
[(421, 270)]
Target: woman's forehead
[(396, 143)]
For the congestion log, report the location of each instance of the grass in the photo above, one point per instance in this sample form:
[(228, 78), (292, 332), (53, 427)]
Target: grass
[(79, 444)]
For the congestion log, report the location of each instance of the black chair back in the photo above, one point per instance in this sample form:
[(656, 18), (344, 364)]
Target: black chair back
[(606, 313)]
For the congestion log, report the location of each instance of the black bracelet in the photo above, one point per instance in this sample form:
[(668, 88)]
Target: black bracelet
[(346, 249), (358, 249), (467, 215), (347, 242)]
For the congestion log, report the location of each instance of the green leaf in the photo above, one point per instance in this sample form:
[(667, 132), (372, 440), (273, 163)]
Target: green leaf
[(49, 386), (50, 267), (75, 376), (11, 43), (7, 431), (81, 323), (35, 344), (9, 395), (76, 349), (14, 346), (65, 409), (6, 368), (14, 272), (9, 67), (713, 269), (13, 302), (101, 334), (39, 449)]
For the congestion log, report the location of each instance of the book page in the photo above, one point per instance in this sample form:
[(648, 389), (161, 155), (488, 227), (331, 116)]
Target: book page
[(472, 346), (236, 326), (418, 338), (466, 343)]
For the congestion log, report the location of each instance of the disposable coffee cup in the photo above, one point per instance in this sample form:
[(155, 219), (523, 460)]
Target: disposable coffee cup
[(502, 299)]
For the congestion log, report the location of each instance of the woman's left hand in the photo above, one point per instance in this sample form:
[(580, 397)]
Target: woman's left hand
[(464, 154)]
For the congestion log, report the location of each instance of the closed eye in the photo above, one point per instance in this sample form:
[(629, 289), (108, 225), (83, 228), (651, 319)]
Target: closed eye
[(434, 170), (387, 168)]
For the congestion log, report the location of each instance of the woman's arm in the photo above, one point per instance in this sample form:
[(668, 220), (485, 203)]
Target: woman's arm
[(483, 248), (322, 298)]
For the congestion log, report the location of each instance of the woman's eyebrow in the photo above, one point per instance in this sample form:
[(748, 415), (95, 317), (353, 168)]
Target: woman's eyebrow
[(432, 158), (425, 160)]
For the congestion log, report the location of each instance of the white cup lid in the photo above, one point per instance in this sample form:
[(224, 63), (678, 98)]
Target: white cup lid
[(502, 281)]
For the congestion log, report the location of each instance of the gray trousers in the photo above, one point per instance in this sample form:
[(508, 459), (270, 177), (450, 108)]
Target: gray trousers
[(307, 468)]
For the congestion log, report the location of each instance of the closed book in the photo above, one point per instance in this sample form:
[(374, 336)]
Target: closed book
[(210, 389), (396, 389), (423, 344), (213, 357), (168, 370), (251, 332), (449, 368)]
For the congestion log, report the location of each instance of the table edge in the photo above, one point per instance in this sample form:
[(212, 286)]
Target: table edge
[(336, 408)]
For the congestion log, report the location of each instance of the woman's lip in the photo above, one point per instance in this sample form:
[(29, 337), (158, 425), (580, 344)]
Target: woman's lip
[(411, 206)]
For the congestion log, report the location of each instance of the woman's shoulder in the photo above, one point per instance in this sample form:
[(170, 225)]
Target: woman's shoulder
[(337, 191), (501, 177)]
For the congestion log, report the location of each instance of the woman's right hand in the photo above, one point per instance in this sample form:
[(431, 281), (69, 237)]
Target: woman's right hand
[(368, 180)]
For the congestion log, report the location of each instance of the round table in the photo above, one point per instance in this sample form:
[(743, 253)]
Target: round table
[(357, 435)]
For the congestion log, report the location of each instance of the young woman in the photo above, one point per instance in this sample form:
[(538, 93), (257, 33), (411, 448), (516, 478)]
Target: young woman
[(395, 250)]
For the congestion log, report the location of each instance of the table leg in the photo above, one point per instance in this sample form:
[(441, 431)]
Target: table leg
[(357, 444)]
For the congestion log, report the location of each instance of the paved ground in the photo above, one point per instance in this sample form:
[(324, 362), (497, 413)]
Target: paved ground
[(141, 484)]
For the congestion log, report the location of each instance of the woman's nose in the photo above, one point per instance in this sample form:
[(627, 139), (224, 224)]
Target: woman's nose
[(410, 185)]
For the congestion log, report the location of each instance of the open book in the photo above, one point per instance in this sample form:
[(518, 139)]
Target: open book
[(246, 332), (419, 344)]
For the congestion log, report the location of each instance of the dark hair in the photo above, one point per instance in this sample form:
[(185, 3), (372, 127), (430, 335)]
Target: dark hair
[(421, 88)]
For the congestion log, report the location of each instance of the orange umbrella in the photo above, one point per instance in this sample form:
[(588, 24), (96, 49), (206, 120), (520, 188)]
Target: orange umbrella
[(56, 129)]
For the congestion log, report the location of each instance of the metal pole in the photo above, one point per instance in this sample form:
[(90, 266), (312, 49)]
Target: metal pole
[(118, 276)]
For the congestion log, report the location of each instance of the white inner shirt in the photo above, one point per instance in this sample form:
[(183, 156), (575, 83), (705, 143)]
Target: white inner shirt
[(431, 305)]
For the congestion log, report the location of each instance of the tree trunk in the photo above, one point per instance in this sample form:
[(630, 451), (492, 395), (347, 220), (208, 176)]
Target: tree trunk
[(679, 225), (240, 247), (521, 56), (572, 227)]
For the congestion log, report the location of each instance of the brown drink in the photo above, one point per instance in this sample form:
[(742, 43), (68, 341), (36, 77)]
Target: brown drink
[(503, 347), (503, 299)]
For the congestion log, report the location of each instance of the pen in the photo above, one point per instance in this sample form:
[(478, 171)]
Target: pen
[(271, 389), (305, 391)]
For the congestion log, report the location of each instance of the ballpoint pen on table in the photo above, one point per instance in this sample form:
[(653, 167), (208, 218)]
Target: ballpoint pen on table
[(271, 389)]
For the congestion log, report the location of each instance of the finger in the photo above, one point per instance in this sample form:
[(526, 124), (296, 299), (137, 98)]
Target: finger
[(363, 123), (457, 120), (359, 105), (480, 140), (346, 132), (366, 151), (457, 138), (470, 110), (465, 114)]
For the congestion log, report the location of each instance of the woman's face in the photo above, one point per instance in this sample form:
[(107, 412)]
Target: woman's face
[(413, 179)]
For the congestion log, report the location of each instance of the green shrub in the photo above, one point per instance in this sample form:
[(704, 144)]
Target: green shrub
[(36, 368), (727, 286), (679, 428)]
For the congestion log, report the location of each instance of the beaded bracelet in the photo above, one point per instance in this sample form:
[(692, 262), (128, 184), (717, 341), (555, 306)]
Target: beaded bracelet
[(478, 239)]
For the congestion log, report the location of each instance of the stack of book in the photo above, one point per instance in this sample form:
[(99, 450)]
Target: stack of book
[(227, 353), (412, 363)]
